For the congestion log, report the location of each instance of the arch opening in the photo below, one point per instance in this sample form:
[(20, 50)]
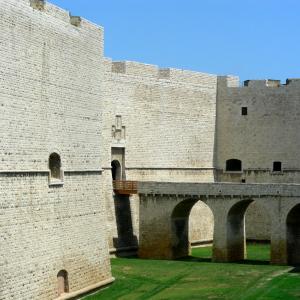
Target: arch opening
[(233, 165), (237, 231), (293, 236), (182, 236), (116, 170), (55, 166), (62, 282)]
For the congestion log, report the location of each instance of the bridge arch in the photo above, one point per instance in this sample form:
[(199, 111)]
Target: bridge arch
[(236, 229), (181, 244), (293, 235)]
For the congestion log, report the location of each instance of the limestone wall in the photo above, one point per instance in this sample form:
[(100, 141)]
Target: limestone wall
[(45, 230), (269, 132), (50, 91), (49, 102), (167, 128)]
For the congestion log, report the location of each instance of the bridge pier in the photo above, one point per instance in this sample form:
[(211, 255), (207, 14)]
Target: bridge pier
[(155, 227)]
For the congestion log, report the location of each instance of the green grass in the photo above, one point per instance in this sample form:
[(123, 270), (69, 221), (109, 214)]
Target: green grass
[(198, 278)]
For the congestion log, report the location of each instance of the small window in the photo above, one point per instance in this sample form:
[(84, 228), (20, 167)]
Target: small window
[(62, 282), (234, 165), (55, 166), (243, 180), (277, 166), (56, 173), (244, 111)]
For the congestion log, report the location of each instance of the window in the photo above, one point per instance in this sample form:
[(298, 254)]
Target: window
[(116, 170), (62, 282), (277, 166), (244, 111), (56, 173), (234, 165)]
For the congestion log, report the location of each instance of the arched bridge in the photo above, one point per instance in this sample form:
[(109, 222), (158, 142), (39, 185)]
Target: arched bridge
[(165, 209)]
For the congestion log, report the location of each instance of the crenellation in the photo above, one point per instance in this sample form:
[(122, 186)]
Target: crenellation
[(75, 20), (293, 82), (262, 83), (38, 4)]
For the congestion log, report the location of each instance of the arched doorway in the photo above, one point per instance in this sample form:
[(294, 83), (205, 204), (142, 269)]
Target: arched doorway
[(293, 236), (236, 232), (62, 282), (116, 170), (181, 242)]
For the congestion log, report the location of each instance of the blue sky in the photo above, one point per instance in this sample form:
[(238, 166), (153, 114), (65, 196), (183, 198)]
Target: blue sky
[(252, 39)]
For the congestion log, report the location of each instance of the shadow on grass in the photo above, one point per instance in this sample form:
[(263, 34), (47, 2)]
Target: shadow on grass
[(295, 270), (240, 262), (195, 259)]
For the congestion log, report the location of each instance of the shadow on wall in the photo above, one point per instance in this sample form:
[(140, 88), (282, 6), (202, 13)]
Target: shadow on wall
[(125, 238)]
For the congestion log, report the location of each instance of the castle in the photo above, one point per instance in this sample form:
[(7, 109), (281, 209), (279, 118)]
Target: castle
[(72, 120)]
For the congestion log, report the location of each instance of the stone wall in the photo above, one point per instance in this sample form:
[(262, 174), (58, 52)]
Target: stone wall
[(166, 121), (268, 133), (51, 67), (45, 230)]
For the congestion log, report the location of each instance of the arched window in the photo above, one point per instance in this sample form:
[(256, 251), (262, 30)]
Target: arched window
[(116, 171), (234, 165), (55, 166), (62, 282), (277, 166)]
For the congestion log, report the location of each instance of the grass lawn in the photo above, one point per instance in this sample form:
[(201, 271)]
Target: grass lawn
[(197, 278)]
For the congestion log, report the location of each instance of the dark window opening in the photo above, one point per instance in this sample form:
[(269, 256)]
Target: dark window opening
[(62, 282), (244, 111), (233, 165), (277, 166), (116, 170), (243, 180), (55, 166)]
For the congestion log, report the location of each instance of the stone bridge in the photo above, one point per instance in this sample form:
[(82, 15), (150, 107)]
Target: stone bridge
[(165, 209)]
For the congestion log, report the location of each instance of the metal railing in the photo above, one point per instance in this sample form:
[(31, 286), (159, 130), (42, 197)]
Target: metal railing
[(123, 187)]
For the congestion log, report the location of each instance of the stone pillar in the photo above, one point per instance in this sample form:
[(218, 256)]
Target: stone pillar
[(219, 253), (155, 227), (278, 232)]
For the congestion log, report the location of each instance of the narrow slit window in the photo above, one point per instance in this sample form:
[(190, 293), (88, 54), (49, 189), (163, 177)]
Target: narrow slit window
[(244, 111)]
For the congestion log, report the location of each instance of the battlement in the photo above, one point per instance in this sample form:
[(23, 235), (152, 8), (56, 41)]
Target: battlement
[(271, 83), (170, 74), (50, 9), (190, 77), (134, 68)]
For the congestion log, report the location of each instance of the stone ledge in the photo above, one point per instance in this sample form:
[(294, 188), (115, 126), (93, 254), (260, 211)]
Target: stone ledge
[(86, 290)]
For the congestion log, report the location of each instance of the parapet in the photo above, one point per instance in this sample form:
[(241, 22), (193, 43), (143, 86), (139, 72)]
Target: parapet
[(174, 75), (228, 81), (134, 69), (271, 83), (63, 15), (293, 82), (262, 83), (190, 77)]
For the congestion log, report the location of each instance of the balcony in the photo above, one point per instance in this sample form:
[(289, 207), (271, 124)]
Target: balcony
[(122, 187)]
